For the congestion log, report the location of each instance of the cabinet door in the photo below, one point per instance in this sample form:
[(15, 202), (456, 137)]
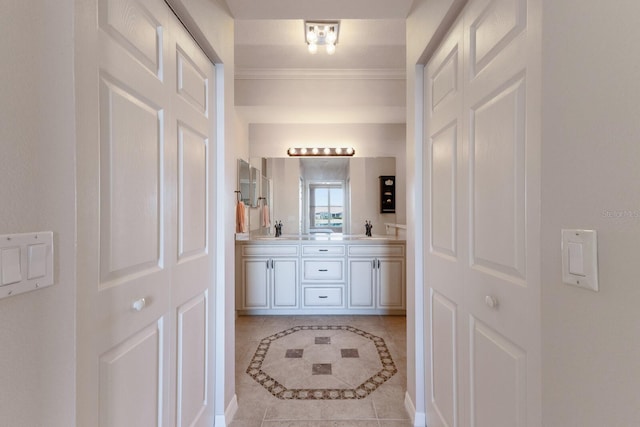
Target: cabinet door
[(255, 283), (285, 283), (361, 281), (390, 282)]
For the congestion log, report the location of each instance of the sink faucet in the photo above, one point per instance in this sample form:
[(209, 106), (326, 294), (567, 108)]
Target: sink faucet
[(368, 226), (278, 227)]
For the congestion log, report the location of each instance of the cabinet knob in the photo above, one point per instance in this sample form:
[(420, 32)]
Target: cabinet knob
[(139, 304), (491, 301)]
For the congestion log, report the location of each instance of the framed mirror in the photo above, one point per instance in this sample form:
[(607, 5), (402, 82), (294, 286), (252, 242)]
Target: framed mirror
[(244, 181), (329, 195), (253, 187)]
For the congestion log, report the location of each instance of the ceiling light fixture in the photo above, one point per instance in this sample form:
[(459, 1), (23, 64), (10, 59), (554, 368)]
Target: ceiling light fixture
[(321, 152), (321, 33)]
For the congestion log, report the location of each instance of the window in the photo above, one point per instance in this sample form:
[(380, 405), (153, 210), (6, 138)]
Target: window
[(326, 207)]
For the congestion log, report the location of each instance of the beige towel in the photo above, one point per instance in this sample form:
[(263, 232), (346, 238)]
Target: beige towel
[(240, 218), (266, 222)]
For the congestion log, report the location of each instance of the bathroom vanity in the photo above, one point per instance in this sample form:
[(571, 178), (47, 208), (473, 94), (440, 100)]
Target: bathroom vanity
[(306, 274)]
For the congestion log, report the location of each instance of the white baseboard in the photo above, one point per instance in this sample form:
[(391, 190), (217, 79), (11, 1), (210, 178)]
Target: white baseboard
[(418, 419), (229, 413), (219, 421)]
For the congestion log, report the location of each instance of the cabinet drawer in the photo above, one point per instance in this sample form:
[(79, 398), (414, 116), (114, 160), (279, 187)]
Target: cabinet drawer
[(323, 296), (376, 250), (335, 250), (323, 269), (269, 250)]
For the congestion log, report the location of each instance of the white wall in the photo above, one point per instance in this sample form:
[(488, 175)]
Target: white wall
[(368, 140), (591, 176), (37, 192), (320, 93), (427, 21)]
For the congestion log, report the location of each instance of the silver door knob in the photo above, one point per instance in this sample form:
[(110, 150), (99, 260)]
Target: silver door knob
[(139, 304), (491, 301)]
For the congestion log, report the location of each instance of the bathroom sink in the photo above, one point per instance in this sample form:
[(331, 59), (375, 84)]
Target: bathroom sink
[(268, 238)]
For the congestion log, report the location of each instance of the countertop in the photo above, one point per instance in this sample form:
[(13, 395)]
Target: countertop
[(336, 237)]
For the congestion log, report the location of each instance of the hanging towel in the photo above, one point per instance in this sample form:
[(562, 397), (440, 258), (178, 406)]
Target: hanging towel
[(266, 222), (240, 218)]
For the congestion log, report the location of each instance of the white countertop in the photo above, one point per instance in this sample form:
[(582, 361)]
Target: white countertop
[(335, 237)]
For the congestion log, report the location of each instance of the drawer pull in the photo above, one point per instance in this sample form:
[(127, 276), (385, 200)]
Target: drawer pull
[(323, 250), (323, 269), (323, 296)]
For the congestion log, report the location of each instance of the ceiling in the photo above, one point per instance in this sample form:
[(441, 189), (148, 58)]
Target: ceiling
[(269, 38)]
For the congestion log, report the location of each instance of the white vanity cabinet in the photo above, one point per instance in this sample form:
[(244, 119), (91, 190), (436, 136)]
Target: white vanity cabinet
[(323, 276), (307, 276), (377, 277), (269, 277)]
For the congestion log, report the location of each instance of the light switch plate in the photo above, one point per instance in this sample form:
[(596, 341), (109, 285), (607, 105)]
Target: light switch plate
[(580, 258), (26, 262), (10, 265)]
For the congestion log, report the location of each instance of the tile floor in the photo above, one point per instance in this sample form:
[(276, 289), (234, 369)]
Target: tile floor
[(321, 371)]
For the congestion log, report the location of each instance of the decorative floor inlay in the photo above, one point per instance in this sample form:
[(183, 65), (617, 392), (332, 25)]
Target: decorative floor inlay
[(321, 369), (294, 353), (323, 340), (349, 352), (321, 363)]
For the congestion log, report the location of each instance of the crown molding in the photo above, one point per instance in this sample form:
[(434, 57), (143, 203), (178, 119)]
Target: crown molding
[(320, 74)]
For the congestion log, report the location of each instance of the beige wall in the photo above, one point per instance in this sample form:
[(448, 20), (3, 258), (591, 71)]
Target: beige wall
[(37, 146), (591, 176)]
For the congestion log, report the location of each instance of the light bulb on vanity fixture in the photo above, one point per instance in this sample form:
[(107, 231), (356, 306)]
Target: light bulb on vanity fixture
[(321, 33), (321, 152)]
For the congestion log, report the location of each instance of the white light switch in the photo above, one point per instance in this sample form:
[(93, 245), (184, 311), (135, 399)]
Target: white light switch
[(26, 262), (580, 258), (11, 271), (576, 259), (37, 259)]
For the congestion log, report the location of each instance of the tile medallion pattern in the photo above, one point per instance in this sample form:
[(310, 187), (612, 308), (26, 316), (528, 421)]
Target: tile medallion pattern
[(377, 371)]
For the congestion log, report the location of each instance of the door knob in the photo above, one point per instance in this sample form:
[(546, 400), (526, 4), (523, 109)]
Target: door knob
[(491, 301), (139, 304)]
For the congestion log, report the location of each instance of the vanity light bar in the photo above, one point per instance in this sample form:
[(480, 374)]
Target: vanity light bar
[(316, 151)]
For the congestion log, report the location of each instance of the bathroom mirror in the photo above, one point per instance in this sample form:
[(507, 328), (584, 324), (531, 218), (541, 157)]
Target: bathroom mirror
[(253, 187), (328, 194), (247, 183)]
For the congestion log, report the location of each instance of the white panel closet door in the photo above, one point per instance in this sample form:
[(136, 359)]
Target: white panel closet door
[(485, 277), (140, 285), (502, 109), (445, 230), (192, 133)]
